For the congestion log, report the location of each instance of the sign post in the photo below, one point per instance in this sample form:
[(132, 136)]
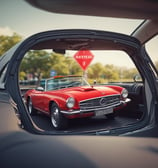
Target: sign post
[(52, 73)]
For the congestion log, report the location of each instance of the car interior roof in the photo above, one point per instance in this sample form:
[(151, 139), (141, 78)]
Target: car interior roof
[(78, 44), (145, 31), (132, 9), (136, 9)]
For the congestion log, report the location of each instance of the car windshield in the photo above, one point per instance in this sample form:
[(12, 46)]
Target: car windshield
[(64, 82)]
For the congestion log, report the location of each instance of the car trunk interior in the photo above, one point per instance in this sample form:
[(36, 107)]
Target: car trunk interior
[(134, 111)]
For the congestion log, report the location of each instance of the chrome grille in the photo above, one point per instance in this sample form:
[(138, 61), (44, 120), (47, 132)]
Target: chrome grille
[(100, 102)]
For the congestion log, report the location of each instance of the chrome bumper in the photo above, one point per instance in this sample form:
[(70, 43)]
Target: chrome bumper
[(95, 109)]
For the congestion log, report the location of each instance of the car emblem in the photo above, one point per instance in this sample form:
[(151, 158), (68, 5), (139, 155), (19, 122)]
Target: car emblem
[(103, 101)]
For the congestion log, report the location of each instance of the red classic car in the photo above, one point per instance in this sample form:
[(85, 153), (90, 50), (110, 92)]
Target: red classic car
[(68, 97)]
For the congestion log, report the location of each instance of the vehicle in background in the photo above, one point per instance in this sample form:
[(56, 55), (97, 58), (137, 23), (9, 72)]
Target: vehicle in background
[(69, 97)]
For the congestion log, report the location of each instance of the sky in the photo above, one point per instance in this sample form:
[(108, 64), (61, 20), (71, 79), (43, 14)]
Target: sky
[(20, 17)]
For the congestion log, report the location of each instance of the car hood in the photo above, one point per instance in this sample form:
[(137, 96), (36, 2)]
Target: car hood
[(86, 92)]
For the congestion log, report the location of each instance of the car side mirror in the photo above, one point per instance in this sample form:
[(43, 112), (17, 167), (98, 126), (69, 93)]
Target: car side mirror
[(137, 78), (40, 89)]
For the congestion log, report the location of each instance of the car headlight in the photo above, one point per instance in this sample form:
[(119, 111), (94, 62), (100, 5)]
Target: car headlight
[(70, 102), (124, 93)]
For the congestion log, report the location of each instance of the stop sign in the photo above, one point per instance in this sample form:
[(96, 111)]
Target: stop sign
[(84, 58)]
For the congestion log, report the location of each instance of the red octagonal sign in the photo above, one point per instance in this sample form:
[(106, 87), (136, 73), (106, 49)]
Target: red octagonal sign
[(84, 58)]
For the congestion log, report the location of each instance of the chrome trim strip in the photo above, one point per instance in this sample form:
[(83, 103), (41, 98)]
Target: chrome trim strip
[(100, 97), (126, 101), (89, 104)]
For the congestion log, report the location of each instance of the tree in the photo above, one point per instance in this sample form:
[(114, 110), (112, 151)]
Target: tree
[(7, 42), (95, 70), (74, 68), (36, 63), (111, 72), (128, 73), (40, 63), (59, 64)]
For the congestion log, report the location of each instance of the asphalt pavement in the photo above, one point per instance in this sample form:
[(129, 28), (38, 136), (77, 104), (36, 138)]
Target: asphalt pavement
[(84, 124)]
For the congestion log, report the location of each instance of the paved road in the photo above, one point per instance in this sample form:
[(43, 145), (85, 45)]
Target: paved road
[(4, 97), (86, 124)]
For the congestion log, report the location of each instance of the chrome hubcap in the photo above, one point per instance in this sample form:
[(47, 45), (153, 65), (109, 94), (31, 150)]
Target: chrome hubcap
[(55, 116)]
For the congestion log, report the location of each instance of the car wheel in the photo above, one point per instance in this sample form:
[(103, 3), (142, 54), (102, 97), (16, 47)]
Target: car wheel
[(31, 109), (58, 120), (110, 116)]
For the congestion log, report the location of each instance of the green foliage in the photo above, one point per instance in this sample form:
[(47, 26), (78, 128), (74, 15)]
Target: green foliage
[(128, 74), (60, 64), (111, 72), (22, 75), (74, 68), (40, 63), (96, 70), (36, 63), (6, 42)]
